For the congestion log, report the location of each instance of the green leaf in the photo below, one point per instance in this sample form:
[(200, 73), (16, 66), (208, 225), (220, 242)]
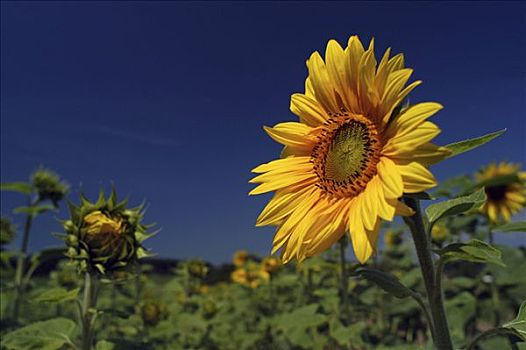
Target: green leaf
[(386, 281), (104, 345), (457, 148), (21, 187), (518, 226), (33, 210), (46, 335), (474, 251), (455, 206), (519, 323), (57, 295)]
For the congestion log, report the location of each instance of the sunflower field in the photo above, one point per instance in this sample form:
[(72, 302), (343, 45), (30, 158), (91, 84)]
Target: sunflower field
[(370, 250)]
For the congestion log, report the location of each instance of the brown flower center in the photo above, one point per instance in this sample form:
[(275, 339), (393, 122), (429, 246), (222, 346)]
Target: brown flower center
[(496, 193), (346, 155)]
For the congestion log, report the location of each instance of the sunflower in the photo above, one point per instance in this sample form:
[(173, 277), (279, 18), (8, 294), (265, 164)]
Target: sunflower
[(354, 152), (506, 198)]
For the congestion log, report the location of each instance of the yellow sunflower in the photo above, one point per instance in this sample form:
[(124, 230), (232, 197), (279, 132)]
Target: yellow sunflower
[(351, 156), (507, 199)]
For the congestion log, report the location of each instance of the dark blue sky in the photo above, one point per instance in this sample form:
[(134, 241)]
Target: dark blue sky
[(168, 99)]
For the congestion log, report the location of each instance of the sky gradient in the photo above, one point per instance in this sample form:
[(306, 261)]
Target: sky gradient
[(168, 99)]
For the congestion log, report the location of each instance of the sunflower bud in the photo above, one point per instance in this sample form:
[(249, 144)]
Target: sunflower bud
[(102, 237), (48, 186), (152, 312), (197, 268)]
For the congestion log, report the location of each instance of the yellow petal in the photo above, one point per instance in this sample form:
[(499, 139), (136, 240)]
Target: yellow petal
[(416, 177), (360, 242), (411, 118), (403, 210), (308, 109), (278, 164), (412, 140), (393, 185), (281, 205), (369, 206), (292, 134), (426, 154), (300, 180), (336, 62), (321, 83)]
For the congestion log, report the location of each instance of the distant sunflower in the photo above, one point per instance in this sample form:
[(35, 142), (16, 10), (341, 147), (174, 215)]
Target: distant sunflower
[(352, 154), (506, 198)]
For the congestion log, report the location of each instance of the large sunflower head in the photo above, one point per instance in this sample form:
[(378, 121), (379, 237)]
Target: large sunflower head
[(351, 155), (506, 196)]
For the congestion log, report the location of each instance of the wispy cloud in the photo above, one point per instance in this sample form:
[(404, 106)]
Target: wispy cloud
[(153, 140)]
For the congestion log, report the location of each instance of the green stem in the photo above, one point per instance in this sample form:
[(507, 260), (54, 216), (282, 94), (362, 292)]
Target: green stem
[(21, 262), (442, 338), (89, 302), (490, 333), (344, 281)]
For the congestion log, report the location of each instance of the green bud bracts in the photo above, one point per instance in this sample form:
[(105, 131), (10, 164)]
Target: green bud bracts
[(105, 236)]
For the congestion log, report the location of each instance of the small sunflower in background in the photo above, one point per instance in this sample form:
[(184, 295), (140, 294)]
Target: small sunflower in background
[(354, 152), (439, 233), (252, 275), (240, 258), (270, 264), (505, 187)]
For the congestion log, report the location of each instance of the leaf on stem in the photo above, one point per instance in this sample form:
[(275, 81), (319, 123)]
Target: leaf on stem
[(518, 226), (21, 187), (519, 323), (455, 206), (474, 251), (459, 147), (57, 295), (52, 334), (388, 282), (33, 210)]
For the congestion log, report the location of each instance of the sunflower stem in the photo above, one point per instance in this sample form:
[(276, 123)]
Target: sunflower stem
[(344, 281), (88, 314), (442, 338), (21, 262)]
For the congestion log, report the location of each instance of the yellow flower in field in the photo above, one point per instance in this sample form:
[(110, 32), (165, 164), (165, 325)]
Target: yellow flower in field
[(439, 232), (270, 264), (506, 198), (240, 257), (351, 156), (239, 276), (392, 239), (252, 276)]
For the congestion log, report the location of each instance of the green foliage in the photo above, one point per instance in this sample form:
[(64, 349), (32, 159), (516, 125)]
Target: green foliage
[(460, 147), (519, 323), (518, 226), (57, 295), (455, 206), (474, 251), (45, 335), (386, 281), (20, 187)]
